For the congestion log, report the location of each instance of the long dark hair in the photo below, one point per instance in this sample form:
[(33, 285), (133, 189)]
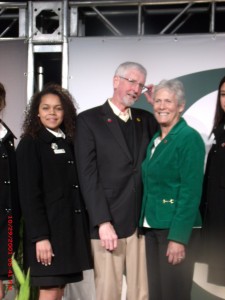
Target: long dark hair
[(32, 123), (2, 96), (219, 114)]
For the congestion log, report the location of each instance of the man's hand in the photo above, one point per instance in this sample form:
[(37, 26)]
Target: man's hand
[(108, 236), (148, 93)]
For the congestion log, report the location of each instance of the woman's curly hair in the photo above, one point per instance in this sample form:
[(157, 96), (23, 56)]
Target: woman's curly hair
[(32, 123)]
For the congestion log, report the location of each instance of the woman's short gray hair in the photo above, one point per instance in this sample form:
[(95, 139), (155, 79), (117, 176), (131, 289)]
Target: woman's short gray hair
[(173, 85)]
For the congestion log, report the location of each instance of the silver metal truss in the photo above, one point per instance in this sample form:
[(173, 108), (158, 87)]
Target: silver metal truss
[(13, 17), (111, 18), (116, 16)]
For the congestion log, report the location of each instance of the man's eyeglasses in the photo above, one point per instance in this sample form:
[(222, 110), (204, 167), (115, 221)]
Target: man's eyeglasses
[(134, 83)]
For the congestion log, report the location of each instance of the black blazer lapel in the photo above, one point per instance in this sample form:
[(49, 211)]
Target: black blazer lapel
[(113, 125), (9, 132), (138, 133), (45, 135)]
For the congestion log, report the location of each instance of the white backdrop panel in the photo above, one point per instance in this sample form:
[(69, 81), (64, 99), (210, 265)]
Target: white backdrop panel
[(92, 61)]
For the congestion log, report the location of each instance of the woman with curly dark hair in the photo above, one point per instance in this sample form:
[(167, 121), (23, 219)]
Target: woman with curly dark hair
[(56, 242)]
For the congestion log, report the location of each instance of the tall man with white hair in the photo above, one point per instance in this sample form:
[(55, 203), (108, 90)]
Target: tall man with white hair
[(111, 143)]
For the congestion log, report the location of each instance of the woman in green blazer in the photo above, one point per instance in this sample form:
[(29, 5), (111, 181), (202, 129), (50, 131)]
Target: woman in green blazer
[(172, 177)]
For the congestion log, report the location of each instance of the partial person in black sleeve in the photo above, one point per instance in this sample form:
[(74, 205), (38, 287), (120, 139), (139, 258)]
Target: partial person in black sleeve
[(9, 202)]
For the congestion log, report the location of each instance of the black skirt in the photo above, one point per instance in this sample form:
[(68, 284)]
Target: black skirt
[(4, 277), (55, 281)]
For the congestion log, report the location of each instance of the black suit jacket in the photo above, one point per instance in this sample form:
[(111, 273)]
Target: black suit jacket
[(110, 177)]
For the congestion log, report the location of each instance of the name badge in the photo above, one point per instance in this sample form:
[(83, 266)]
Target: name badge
[(59, 151), (54, 147)]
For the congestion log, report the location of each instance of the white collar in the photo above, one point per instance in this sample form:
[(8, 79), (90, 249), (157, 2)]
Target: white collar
[(58, 134), (3, 131), (125, 116)]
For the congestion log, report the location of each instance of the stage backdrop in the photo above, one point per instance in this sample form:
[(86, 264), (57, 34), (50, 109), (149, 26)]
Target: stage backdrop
[(13, 68), (198, 61)]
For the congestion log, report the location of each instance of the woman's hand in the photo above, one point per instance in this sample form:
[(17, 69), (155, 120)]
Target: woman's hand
[(44, 252), (175, 252), (1, 290)]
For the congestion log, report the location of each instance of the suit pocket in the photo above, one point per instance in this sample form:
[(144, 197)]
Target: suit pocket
[(165, 208), (111, 198)]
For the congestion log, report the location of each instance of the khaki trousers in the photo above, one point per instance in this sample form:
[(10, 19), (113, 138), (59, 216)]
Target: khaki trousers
[(109, 267)]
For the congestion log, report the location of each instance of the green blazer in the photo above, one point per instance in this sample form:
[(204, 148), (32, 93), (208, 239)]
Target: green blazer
[(172, 180)]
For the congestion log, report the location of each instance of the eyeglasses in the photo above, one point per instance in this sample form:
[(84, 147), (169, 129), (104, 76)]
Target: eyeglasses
[(134, 83)]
